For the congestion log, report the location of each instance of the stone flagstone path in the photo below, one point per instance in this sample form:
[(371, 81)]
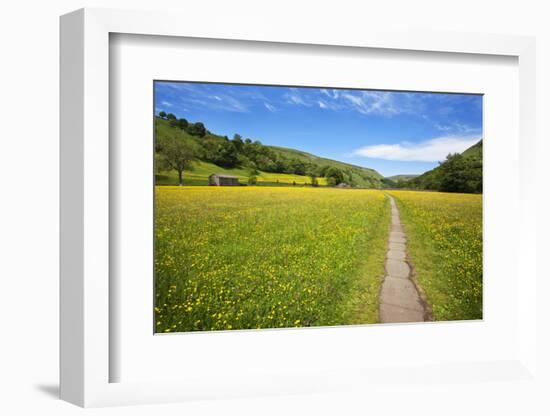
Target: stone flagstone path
[(399, 298)]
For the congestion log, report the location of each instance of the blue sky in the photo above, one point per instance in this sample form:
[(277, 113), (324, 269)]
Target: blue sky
[(392, 132)]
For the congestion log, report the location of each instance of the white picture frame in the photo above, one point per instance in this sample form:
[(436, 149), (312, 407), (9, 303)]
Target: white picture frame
[(85, 212)]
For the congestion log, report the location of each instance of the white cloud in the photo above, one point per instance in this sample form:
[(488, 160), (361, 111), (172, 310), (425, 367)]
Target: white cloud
[(322, 104), (427, 151), (373, 102), (296, 99), (166, 104), (228, 103), (459, 128), (442, 127), (270, 107)]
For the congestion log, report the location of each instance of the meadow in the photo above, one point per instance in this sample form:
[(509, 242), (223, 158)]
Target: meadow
[(267, 257), (445, 246)]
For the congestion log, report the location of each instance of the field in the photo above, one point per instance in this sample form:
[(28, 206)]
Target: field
[(202, 170), (267, 257), (445, 245)]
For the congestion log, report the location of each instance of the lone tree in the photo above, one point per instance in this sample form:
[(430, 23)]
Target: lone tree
[(176, 154), (162, 114)]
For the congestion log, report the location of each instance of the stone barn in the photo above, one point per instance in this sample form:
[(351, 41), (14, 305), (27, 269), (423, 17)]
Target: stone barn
[(217, 179)]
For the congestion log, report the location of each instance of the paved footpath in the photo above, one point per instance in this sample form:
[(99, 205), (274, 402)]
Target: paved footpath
[(399, 299)]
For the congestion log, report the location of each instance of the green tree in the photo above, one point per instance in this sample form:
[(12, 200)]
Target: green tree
[(461, 174), (298, 167), (183, 123), (334, 176), (238, 142), (454, 174), (312, 173), (162, 114), (227, 155), (197, 129), (170, 116), (177, 154)]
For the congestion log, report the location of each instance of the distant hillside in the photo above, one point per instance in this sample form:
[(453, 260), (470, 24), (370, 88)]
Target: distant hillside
[(458, 173), (397, 178), (245, 158), (357, 175)]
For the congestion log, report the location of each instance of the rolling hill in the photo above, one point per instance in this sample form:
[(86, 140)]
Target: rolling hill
[(271, 165), (405, 177), (459, 173)]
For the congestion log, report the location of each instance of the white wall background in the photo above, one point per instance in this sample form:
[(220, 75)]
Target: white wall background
[(29, 205)]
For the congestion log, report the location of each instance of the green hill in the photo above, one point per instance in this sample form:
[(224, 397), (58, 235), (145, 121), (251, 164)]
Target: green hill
[(243, 158), (357, 175), (404, 178), (200, 171), (475, 151), (458, 173)]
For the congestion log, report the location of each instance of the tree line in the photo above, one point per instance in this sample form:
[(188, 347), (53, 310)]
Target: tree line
[(458, 173), (178, 154)]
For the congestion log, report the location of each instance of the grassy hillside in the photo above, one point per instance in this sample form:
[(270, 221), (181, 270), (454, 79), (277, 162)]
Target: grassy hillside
[(253, 156), (475, 151), (364, 177), (200, 172), (397, 178), (459, 173)]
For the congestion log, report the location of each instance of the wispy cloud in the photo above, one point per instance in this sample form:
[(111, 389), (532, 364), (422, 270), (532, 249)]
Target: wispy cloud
[(330, 93), (270, 107), (295, 98), (179, 95), (322, 104), (232, 104), (374, 102), (432, 150), (442, 127), (456, 127)]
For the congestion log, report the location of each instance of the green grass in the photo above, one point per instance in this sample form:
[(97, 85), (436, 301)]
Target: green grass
[(267, 257), (445, 244), (202, 170), (362, 177)]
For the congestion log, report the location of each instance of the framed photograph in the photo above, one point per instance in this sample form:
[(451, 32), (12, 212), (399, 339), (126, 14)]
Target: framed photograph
[(282, 213), (315, 225)]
